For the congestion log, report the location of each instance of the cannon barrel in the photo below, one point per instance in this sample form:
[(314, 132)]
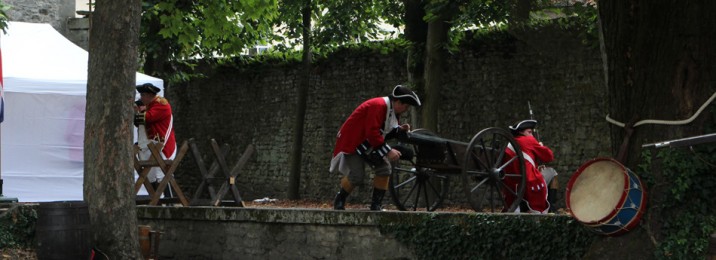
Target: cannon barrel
[(421, 139), (434, 151)]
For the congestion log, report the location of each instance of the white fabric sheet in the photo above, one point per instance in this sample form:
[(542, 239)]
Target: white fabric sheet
[(45, 79)]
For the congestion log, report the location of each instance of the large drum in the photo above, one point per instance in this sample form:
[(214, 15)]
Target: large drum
[(606, 196)]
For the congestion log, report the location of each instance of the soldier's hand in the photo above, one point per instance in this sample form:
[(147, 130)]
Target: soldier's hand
[(405, 127), (393, 155), (139, 119)]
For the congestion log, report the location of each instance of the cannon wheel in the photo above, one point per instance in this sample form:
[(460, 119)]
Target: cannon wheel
[(413, 187), (483, 171)]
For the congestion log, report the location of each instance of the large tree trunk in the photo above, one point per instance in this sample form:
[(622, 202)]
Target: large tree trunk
[(435, 53), (294, 181), (659, 57), (108, 172), (416, 32), (659, 65)]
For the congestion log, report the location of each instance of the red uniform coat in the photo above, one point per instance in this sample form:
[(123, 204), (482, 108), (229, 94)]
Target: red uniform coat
[(159, 120), (366, 123), (536, 188)]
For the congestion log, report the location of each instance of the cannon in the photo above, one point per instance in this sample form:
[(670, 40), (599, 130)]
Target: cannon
[(423, 181)]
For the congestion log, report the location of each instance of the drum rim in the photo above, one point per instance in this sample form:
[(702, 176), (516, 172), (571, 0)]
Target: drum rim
[(637, 218), (576, 175)]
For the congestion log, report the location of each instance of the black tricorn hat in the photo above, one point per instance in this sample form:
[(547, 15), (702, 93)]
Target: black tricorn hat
[(405, 95), (148, 88), (524, 124)]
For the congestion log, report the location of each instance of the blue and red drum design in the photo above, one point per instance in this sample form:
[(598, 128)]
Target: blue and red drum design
[(606, 196)]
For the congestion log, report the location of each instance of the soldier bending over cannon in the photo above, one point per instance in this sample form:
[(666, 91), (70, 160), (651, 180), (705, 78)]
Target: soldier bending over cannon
[(361, 140)]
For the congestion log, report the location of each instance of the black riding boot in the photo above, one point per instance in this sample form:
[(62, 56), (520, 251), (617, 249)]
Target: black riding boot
[(339, 203), (377, 199)]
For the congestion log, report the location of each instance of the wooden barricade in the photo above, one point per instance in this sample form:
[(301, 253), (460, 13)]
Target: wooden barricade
[(167, 166), (210, 180)]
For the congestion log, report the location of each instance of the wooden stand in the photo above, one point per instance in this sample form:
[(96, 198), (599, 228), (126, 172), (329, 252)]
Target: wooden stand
[(228, 181), (167, 166)]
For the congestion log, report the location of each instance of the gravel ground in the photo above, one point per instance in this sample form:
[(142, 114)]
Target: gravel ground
[(17, 253), (311, 204)]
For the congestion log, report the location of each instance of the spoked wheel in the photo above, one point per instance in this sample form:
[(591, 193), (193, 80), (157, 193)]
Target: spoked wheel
[(483, 171), (414, 188)]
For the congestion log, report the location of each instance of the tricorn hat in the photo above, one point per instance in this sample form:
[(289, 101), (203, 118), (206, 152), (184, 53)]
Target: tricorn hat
[(524, 124), (405, 95), (148, 88)]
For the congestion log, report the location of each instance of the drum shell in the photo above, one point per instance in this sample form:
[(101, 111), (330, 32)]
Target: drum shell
[(627, 212)]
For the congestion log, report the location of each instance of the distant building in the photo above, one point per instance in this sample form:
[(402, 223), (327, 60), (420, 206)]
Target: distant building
[(61, 14)]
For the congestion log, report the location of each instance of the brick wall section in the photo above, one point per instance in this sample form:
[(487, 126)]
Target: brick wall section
[(488, 83)]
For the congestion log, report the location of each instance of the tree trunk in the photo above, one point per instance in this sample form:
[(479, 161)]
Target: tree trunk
[(108, 172), (520, 11), (416, 32), (659, 65), (156, 59), (435, 53), (295, 175), (659, 57)]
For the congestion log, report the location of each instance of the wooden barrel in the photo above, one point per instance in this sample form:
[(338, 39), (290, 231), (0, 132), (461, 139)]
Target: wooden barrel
[(62, 230)]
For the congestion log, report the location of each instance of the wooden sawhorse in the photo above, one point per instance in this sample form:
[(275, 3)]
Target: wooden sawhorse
[(167, 166), (209, 179)]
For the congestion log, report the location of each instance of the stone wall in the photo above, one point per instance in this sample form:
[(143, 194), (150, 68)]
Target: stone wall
[(254, 233), (58, 13), (54, 12), (488, 83)]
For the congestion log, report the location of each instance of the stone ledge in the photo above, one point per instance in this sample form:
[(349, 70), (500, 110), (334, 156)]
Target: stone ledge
[(298, 215)]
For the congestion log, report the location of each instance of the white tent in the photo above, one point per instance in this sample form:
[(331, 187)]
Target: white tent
[(45, 80)]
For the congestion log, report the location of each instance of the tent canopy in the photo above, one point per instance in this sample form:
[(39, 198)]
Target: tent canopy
[(38, 59), (45, 82)]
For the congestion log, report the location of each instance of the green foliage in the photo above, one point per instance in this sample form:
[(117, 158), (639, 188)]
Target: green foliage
[(3, 16), (688, 179), (579, 17), (483, 236), (274, 58), (482, 16), (333, 23), (17, 227), (174, 31)]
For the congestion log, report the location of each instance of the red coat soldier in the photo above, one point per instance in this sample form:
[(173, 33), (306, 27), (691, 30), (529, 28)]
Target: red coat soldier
[(155, 114), (534, 153), (361, 140)]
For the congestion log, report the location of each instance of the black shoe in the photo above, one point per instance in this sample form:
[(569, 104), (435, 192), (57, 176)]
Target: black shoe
[(339, 203), (377, 199)]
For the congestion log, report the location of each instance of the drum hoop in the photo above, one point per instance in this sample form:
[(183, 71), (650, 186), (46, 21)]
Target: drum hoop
[(635, 220), (622, 199)]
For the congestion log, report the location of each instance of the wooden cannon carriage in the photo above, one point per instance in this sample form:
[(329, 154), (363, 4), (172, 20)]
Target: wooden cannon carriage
[(423, 181)]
